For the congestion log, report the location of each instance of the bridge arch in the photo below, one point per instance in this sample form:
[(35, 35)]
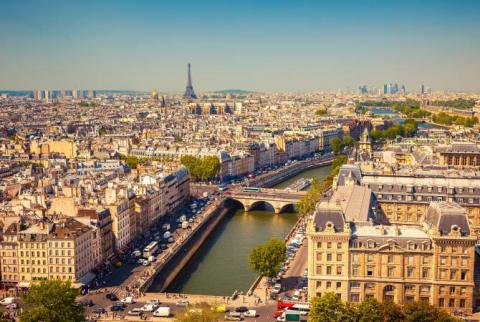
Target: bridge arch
[(288, 207), (258, 205)]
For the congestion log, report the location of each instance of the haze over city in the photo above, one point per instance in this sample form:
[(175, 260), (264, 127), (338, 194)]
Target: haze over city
[(251, 45)]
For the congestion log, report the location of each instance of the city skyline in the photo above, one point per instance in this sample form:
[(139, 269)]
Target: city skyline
[(267, 47)]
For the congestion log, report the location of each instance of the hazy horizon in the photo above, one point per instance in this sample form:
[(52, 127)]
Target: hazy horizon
[(271, 46)]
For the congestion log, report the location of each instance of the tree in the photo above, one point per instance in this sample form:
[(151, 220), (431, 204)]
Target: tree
[(369, 311), (421, 311), (52, 301), (392, 312), (201, 168), (328, 308), (198, 313), (336, 145), (267, 259), (321, 111), (337, 163)]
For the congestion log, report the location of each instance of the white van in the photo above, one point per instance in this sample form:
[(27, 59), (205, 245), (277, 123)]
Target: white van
[(163, 311), (8, 300)]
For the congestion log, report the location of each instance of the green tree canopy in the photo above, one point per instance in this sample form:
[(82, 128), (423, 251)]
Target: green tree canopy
[(267, 259), (421, 311), (201, 168), (52, 301), (336, 144), (328, 308)]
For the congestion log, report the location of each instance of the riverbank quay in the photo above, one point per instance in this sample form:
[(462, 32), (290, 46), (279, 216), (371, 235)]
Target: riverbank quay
[(274, 177), (163, 271)]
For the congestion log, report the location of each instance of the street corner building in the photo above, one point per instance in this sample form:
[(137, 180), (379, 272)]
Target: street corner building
[(355, 257)]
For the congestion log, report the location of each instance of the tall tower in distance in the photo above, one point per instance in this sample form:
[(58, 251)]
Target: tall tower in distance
[(189, 92)]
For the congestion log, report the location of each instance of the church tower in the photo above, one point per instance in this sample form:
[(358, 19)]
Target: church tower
[(366, 142)]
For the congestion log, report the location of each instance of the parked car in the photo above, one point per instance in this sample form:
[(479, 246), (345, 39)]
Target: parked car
[(250, 314), (8, 300), (163, 311), (116, 308), (135, 312), (182, 303), (128, 300), (241, 309), (87, 303), (112, 297), (99, 310)]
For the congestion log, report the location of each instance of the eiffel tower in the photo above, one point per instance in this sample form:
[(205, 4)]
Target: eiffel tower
[(189, 92)]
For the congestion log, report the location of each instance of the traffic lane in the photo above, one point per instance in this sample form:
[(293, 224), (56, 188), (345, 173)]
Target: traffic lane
[(296, 269)]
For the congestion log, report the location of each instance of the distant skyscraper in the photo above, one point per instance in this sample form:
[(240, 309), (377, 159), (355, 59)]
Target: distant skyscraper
[(385, 88), (422, 90), (189, 93)]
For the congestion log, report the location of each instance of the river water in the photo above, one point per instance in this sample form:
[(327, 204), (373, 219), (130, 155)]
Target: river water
[(221, 265)]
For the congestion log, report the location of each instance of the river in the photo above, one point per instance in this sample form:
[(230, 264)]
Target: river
[(221, 265)]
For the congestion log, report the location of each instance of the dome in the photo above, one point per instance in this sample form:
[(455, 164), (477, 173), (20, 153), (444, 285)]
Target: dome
[(154, 94)]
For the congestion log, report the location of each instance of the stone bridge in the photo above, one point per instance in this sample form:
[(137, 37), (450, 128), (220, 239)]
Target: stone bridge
[(277, 198)]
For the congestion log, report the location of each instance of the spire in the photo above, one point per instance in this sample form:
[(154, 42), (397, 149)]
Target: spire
[(189, 92)]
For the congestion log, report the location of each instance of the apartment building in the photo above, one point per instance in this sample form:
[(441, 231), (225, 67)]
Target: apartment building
[(61, 250), (432, 261)]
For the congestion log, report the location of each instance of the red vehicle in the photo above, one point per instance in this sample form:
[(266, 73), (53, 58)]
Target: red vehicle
[(282, 305)]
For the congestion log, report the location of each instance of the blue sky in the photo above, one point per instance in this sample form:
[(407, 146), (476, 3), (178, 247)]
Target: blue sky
[(296, 45)]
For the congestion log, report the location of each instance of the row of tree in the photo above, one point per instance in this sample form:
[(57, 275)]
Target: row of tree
[(330, 308), (307, 204), (338, 144), (204, 168), (408, 128), (460, 103), (444, 118)]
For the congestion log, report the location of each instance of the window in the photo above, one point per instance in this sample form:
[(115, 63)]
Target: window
[(425, 272), (339, 245), (390, 259), (370, 270), (354, 284), (355, 258), (441, 302), (451, 302), (443, 274), (370, 258), (329, 284), (410, 260), (409, 271), (453, 274), (339, 257), (319, 244), (319, 284), (464, 261), (329, 270), (329, 245), (355, 269), (319, 256), (443, 260), (354, 297), (390, 271), (452, 290), (462, 302), (329, 257), (339, 270), (463, 275), (339, 284)]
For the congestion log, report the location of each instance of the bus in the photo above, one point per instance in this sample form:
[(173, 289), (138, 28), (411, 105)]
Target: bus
[(150, 249), (251, 189)]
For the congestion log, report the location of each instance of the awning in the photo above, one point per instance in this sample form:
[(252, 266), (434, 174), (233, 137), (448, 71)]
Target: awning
[(23, 284)]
